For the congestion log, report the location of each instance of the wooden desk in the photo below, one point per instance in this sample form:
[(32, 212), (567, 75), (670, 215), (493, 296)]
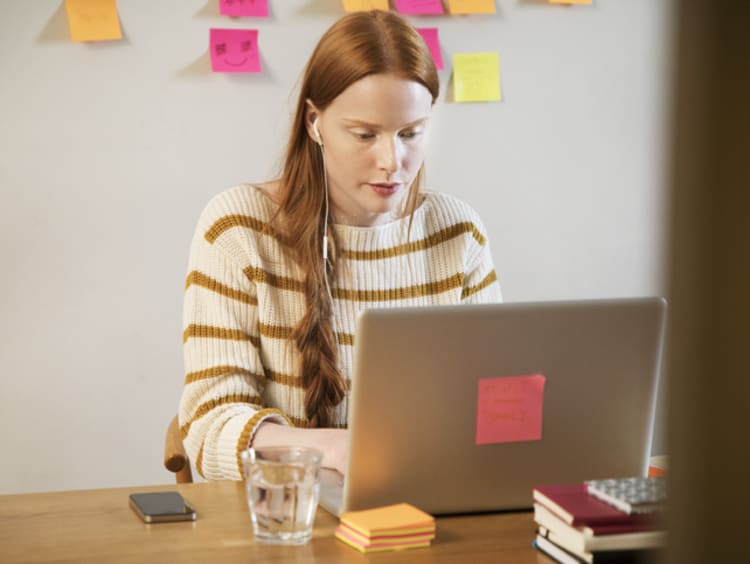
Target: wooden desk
[(99, 526)]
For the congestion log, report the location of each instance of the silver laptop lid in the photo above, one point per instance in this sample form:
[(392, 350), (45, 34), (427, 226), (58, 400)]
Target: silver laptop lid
[(414, 400)]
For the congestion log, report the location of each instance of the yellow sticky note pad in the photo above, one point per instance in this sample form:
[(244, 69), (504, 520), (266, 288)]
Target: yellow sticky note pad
[(365, 5), (471, 7), (476, 77), (93, 20)]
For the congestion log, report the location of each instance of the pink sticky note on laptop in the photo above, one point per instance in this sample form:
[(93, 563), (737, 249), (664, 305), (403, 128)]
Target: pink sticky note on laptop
[(430, 36), (419, 6), (234, 50), (238, 8), (509, 409)]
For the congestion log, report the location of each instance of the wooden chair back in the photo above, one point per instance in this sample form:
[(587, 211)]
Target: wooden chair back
[(175, 458)]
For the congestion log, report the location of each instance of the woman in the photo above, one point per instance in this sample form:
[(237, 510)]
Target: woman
[(279, 271)]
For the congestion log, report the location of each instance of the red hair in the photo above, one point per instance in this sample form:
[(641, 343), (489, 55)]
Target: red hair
[(358, 45)]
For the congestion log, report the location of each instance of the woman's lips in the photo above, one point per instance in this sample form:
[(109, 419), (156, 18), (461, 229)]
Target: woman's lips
[(385, 188)]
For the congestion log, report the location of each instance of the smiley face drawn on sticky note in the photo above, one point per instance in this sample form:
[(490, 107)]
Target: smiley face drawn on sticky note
[(509, 409), (234, 50)]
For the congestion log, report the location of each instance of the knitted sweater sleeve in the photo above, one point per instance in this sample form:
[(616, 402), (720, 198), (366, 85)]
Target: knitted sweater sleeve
[(480, 281), (221, 404)]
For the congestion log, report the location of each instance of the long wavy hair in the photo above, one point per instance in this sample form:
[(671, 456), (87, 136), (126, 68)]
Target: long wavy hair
[(358, 45)]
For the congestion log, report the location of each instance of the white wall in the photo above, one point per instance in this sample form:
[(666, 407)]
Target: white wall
[(109, 151)]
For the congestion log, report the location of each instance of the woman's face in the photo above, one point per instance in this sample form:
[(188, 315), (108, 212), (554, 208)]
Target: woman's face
[(374, 137)]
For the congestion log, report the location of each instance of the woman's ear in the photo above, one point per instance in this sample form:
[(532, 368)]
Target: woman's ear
[(311, 122)]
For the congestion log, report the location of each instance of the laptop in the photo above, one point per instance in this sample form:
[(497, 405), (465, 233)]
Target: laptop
[(460, 409)]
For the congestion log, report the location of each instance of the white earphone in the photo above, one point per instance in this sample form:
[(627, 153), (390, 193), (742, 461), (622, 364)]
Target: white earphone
[(317, 133), (325, 181)]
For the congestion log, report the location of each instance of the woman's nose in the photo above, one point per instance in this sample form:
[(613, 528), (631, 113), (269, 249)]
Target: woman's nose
[(388, 155)]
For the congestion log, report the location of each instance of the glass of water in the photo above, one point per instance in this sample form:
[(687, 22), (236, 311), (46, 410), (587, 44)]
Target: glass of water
[(283, 488)]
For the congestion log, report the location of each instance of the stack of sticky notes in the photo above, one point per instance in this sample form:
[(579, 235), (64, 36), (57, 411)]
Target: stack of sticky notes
[(393, 527)]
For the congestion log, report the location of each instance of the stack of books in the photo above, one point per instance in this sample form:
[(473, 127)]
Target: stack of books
[(601, 521), (393, 527)]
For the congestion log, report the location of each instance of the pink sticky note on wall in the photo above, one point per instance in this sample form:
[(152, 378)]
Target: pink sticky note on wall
[(237, 8), (509, 409), (419, 6), (234, 50), (430, 36)]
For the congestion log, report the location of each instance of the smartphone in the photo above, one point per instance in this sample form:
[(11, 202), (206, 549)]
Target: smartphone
[(161, 507)]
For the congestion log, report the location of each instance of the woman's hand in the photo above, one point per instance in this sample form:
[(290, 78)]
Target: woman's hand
[(335, 454), (333, 443)]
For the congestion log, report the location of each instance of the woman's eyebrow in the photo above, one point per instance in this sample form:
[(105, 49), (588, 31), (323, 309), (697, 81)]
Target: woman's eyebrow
[(361, 123)]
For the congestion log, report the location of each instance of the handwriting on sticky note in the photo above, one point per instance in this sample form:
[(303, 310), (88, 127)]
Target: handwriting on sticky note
[(93, 20), (476, 77), (509, 409), (430, 36), (471, 6), (365, 5), (239, 8), (419, 6), (234, 50)]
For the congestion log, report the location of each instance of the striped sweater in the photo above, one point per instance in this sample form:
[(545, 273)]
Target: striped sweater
[(243, 298)]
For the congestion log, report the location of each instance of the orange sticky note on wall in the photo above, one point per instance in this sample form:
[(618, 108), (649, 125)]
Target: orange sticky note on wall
[(93, 20), (471, 7), (570, 1), (509, 409), (365, 5)]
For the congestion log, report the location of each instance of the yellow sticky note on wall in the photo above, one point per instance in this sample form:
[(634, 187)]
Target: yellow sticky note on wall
[(364, 5), (476, 77), (471, 6), (93, 20)]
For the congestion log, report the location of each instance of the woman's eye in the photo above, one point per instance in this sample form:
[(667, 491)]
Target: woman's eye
[(364, 136), (409, 134)]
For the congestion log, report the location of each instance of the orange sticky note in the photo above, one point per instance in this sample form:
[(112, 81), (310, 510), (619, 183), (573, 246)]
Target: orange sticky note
[(365, 5), (471, 6), (509, 409), (399, 518), (93, 20), (570, 1)]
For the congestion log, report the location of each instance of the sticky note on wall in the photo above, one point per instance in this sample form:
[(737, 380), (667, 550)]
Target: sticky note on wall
[(419, 6), (471, 6), (239, 8), (234, 50), (430, 36), (509, 409), (476, 77), (93, 20), (365, 5)]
